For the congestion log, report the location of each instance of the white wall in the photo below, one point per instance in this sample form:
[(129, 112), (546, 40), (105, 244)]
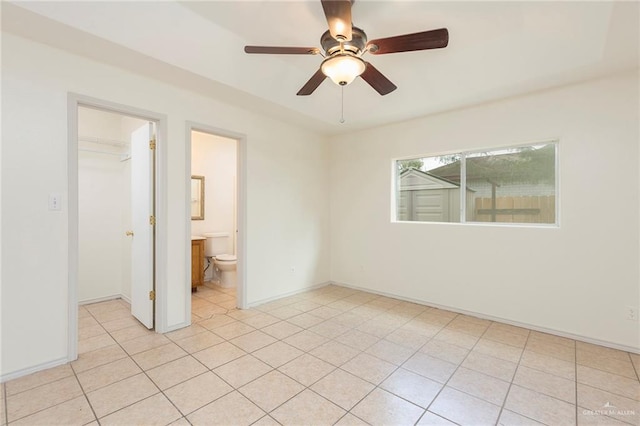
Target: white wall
[(104, 195), (215, 158), (573, 279), (101, 239), (283, 163)]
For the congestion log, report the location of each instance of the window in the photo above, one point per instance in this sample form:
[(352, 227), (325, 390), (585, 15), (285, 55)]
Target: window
[(505, 185)]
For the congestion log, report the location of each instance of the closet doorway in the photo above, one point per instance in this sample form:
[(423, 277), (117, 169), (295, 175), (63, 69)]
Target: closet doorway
[(116, 213)]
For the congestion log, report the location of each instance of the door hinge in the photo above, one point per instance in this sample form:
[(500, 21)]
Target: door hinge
[(152, 295), (152, 144), (152, 220)]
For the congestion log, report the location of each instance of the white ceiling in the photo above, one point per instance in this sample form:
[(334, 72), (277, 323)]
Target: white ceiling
[(496, 50)]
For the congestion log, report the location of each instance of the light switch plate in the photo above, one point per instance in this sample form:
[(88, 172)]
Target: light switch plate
[(55, 201)]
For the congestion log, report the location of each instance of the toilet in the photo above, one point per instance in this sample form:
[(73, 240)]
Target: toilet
[(217, 248)]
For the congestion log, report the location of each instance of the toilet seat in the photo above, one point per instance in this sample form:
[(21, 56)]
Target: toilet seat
[(226, 258)]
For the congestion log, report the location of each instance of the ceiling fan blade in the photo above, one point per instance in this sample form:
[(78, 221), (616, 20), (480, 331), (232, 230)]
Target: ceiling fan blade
[(434, 39), (338, 14), (312, 84), (378, 81), (282, 50)]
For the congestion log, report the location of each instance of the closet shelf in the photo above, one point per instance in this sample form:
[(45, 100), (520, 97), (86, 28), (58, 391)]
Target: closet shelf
[(102, 141), (123, 157)]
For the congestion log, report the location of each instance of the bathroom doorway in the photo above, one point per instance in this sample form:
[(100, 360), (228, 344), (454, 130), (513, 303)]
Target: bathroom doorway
[(216, 217), (116, 211)]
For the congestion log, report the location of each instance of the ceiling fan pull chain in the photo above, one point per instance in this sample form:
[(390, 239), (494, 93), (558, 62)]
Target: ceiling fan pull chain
[(342, 104)]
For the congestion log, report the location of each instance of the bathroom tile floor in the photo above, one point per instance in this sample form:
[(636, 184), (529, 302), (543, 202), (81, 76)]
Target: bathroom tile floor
[(328, 356)]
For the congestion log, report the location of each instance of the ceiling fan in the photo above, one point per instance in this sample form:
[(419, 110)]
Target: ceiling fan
[(344, 45)]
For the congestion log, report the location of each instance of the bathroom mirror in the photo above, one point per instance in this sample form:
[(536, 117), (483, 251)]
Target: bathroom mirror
[(197, 197)]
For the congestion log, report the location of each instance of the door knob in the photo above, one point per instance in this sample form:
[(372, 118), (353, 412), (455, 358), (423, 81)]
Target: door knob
[(129, 233)]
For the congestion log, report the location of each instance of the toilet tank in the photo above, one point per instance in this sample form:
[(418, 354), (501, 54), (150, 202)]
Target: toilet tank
[(217, 243)]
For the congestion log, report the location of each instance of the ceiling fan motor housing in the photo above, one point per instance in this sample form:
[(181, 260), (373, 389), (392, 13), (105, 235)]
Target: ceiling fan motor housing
[(356, 45)]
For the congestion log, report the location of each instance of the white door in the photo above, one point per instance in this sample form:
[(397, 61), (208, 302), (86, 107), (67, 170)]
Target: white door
[(142, 210)]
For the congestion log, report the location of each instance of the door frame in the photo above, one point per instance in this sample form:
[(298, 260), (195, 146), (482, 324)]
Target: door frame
[(75, 100), (241, 209)]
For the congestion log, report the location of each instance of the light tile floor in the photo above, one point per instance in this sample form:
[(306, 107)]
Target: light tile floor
[(329, 356)]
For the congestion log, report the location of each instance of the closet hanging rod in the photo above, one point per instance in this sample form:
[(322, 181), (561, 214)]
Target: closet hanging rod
[(102, 141)]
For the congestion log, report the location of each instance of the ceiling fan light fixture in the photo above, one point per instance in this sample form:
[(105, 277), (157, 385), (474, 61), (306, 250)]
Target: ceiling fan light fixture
[(343, 68)]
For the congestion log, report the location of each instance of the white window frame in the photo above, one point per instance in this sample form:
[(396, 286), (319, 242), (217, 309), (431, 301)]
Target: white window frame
[(395, 186)]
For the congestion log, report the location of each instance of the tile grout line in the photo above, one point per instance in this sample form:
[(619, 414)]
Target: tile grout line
[(633, 365), (607, 415), (364, 351), (308, 352), (602, 370), (426, 409), (457, 368), (349, 327), (511, 381), (84, 394), (4, 402), (82, 388), (506, 396), (237, 389), (46, 408), (184, 416), (397, 367), (575, 365), (414, 353), (377, 386), (575, 357), (143, 372), (268, 414), (333, 339), (198, 408), (340, 367), (53, 381), (95, 415), (347, 411), (597, 386)]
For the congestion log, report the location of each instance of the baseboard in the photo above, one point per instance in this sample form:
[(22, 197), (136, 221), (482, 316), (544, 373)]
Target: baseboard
[(177, 327), (34, 369), (291, 293), (104, 299), (497, 319)]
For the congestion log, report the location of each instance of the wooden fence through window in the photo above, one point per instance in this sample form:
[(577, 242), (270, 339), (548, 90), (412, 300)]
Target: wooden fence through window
[(528, 209)]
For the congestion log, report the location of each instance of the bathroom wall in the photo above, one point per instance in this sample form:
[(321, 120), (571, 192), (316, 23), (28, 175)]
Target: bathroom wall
[(215, 158)]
